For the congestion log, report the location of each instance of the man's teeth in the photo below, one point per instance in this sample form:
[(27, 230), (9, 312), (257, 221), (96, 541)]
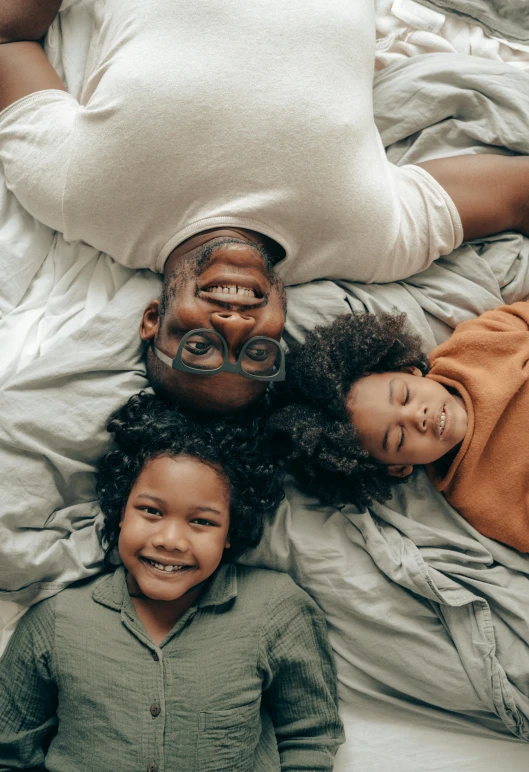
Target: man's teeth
[(442, 423), (231, 289), (167, 569)]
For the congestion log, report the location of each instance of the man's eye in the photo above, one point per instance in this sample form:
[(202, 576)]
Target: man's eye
[(198, 347), (257, 354)]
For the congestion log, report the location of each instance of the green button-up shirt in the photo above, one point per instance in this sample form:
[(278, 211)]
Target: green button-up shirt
[(244, 682)]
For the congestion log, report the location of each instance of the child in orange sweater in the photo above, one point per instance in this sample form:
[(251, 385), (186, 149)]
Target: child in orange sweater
[(362, 406)]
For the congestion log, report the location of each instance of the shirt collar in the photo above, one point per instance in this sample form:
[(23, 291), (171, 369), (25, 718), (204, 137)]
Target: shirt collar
[(111, 589)]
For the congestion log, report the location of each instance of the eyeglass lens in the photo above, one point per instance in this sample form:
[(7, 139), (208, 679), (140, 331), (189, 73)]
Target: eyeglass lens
[(204, 351)]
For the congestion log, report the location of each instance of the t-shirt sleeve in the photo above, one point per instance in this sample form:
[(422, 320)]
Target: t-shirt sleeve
[(28, 694), (429, 224), (301, 694), (36, 139)]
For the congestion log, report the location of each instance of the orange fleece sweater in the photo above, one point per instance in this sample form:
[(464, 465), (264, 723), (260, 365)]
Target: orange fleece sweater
[(486, 361)]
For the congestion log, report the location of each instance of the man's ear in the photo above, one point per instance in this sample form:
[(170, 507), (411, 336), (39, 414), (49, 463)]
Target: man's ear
[(412, 370), (396, 470), (150, 321)]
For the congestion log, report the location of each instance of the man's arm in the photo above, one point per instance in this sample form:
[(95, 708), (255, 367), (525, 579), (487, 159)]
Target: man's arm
[(24, 69), (491, 192), (26, 19)]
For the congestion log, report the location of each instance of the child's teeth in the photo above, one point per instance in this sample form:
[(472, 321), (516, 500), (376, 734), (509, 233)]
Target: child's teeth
[(168, 568)]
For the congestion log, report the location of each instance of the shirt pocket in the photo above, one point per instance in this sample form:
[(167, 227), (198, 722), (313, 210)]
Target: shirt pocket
[(227, 739)]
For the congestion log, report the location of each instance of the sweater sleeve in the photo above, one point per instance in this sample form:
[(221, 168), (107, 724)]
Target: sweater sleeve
[(513, 318), (28, 694), (300, 688), (501, 334)]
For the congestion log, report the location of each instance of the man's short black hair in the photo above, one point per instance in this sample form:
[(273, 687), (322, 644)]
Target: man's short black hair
[(147, 428), (311, 425)]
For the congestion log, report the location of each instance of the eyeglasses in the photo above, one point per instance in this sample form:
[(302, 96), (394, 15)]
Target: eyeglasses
[(205, 352)]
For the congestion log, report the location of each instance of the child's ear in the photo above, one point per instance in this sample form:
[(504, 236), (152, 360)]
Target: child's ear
[(396, 470), (412, 371), (227, 545)]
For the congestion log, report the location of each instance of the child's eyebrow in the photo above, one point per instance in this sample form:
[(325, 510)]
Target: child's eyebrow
[(207, 509), (150, 496), (386, 435), (391, 387)]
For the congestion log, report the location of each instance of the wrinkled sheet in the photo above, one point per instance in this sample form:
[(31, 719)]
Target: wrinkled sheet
[(428, 619), (505, 18)]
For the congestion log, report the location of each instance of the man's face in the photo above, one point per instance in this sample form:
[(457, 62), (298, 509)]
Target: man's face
[(226, 285)]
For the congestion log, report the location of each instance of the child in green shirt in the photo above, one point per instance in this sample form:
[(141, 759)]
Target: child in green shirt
[(176, 658)]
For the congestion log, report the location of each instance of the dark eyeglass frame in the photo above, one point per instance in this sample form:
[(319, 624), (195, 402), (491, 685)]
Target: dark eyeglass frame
[(227, 366)]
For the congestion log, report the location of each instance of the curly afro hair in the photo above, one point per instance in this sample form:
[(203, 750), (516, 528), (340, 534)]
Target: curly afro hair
[(147, 428), (310, 424)]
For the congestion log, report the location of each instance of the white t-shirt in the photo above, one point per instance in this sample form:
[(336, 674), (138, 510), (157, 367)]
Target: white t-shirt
[(257, 114)]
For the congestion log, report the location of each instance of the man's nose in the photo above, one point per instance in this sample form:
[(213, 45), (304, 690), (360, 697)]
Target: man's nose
[(234, 327)]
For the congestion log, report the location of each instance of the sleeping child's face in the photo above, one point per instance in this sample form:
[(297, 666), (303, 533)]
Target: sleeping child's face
[(405, 419), (175, 527)]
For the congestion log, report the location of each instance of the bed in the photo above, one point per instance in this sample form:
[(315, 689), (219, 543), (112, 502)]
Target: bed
[(429, 620)]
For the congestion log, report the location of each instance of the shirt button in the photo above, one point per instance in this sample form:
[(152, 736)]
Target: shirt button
[(152, 768), (155, 657), (155, 711)]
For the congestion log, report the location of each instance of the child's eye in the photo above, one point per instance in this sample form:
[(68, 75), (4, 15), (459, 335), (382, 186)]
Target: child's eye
[(202, 521), (150, 510), (401, 443), (407, 397)]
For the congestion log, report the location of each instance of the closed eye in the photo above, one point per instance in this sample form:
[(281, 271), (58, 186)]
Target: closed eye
[(407, 397), (401, 442)]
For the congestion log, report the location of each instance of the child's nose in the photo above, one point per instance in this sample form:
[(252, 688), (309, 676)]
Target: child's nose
[(171, 536), (419, 417), (422, 418)]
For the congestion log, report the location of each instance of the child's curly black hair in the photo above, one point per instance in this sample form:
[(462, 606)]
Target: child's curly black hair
[(147, 428), (310, 423)]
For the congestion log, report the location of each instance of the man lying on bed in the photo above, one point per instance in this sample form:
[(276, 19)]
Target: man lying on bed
[(373, 407), (233, 148)]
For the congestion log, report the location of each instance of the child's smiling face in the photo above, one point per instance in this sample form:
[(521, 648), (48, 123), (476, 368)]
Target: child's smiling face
[(175, 526), (405, 419)]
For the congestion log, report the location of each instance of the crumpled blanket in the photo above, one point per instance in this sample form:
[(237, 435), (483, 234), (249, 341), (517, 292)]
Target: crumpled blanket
[(507, 18)]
